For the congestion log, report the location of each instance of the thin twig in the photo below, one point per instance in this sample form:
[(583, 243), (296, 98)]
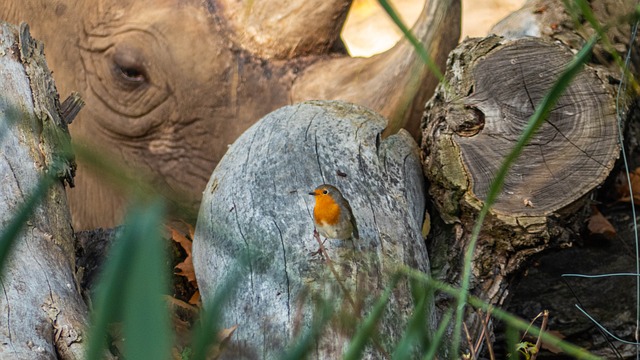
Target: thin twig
[(530, 325), (469, 342), (483, 330), (485, 335), (327, 260), (325, 255), (543, 327)]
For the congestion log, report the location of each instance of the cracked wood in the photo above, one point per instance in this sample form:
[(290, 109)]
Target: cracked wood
[(42, 315), (257, 201)]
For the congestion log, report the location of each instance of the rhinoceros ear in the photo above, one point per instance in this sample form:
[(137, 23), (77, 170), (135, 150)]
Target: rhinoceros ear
[(284, 29)]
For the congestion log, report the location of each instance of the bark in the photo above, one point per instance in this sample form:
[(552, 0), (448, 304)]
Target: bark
[(469, 127), (41, 310), (257, 201)]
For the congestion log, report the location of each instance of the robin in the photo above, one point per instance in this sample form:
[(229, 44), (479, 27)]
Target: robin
[(332, 214)]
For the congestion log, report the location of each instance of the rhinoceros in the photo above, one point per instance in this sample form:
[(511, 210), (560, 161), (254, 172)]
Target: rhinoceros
[(169, 84)]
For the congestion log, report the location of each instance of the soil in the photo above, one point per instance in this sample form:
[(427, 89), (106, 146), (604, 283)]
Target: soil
[(609, 300)]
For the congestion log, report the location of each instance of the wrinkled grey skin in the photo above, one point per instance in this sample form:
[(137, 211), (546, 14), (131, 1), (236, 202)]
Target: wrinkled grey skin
[(169, 84)]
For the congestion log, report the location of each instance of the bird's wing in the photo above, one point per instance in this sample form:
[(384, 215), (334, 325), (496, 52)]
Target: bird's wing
[(356, 235)]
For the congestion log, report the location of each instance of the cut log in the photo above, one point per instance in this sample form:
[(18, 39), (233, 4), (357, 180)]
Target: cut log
[(257, 201), (471, 126), (550, 20), (41, 310), (543, 287)]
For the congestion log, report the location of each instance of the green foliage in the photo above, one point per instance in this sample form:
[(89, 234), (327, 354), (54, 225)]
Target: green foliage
[(526, 348), (132, 288)]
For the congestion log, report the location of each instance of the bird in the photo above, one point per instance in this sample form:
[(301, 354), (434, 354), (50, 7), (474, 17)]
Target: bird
[(332, 214)]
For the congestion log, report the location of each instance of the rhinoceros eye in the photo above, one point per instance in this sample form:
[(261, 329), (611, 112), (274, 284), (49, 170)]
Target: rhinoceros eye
[(129, 68)]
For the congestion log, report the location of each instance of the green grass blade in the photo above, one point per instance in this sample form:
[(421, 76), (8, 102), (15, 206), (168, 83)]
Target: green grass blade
[(512, 338), (438, 338), (109, 293), (366, 331), (536, 120), (146, 320), (422, 52), (118, 276)]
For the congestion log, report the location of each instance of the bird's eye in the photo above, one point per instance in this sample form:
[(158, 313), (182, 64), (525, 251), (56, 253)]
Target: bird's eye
[(325, 192)]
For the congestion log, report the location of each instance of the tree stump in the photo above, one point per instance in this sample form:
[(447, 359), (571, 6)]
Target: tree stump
[(257, 201), (41, 311), (469, 128), (550, 20), (543, 287)]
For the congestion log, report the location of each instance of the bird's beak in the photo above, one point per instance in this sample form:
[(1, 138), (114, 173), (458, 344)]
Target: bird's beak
[(312, 193)]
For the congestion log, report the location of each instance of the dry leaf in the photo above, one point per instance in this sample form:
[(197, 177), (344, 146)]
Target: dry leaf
[(622, 186), (185, 268), (599, 225), (182, 309), (182, 316), (223, 338), (195, 298)]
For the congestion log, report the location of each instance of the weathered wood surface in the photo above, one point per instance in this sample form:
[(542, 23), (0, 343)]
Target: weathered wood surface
[(257, 201), (42, 315), (469, 128)]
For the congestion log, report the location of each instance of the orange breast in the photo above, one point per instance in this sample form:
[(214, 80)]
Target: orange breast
[(326, 211)]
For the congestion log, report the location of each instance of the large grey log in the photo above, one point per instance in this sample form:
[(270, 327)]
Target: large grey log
[(42, 315), (257, 199)]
